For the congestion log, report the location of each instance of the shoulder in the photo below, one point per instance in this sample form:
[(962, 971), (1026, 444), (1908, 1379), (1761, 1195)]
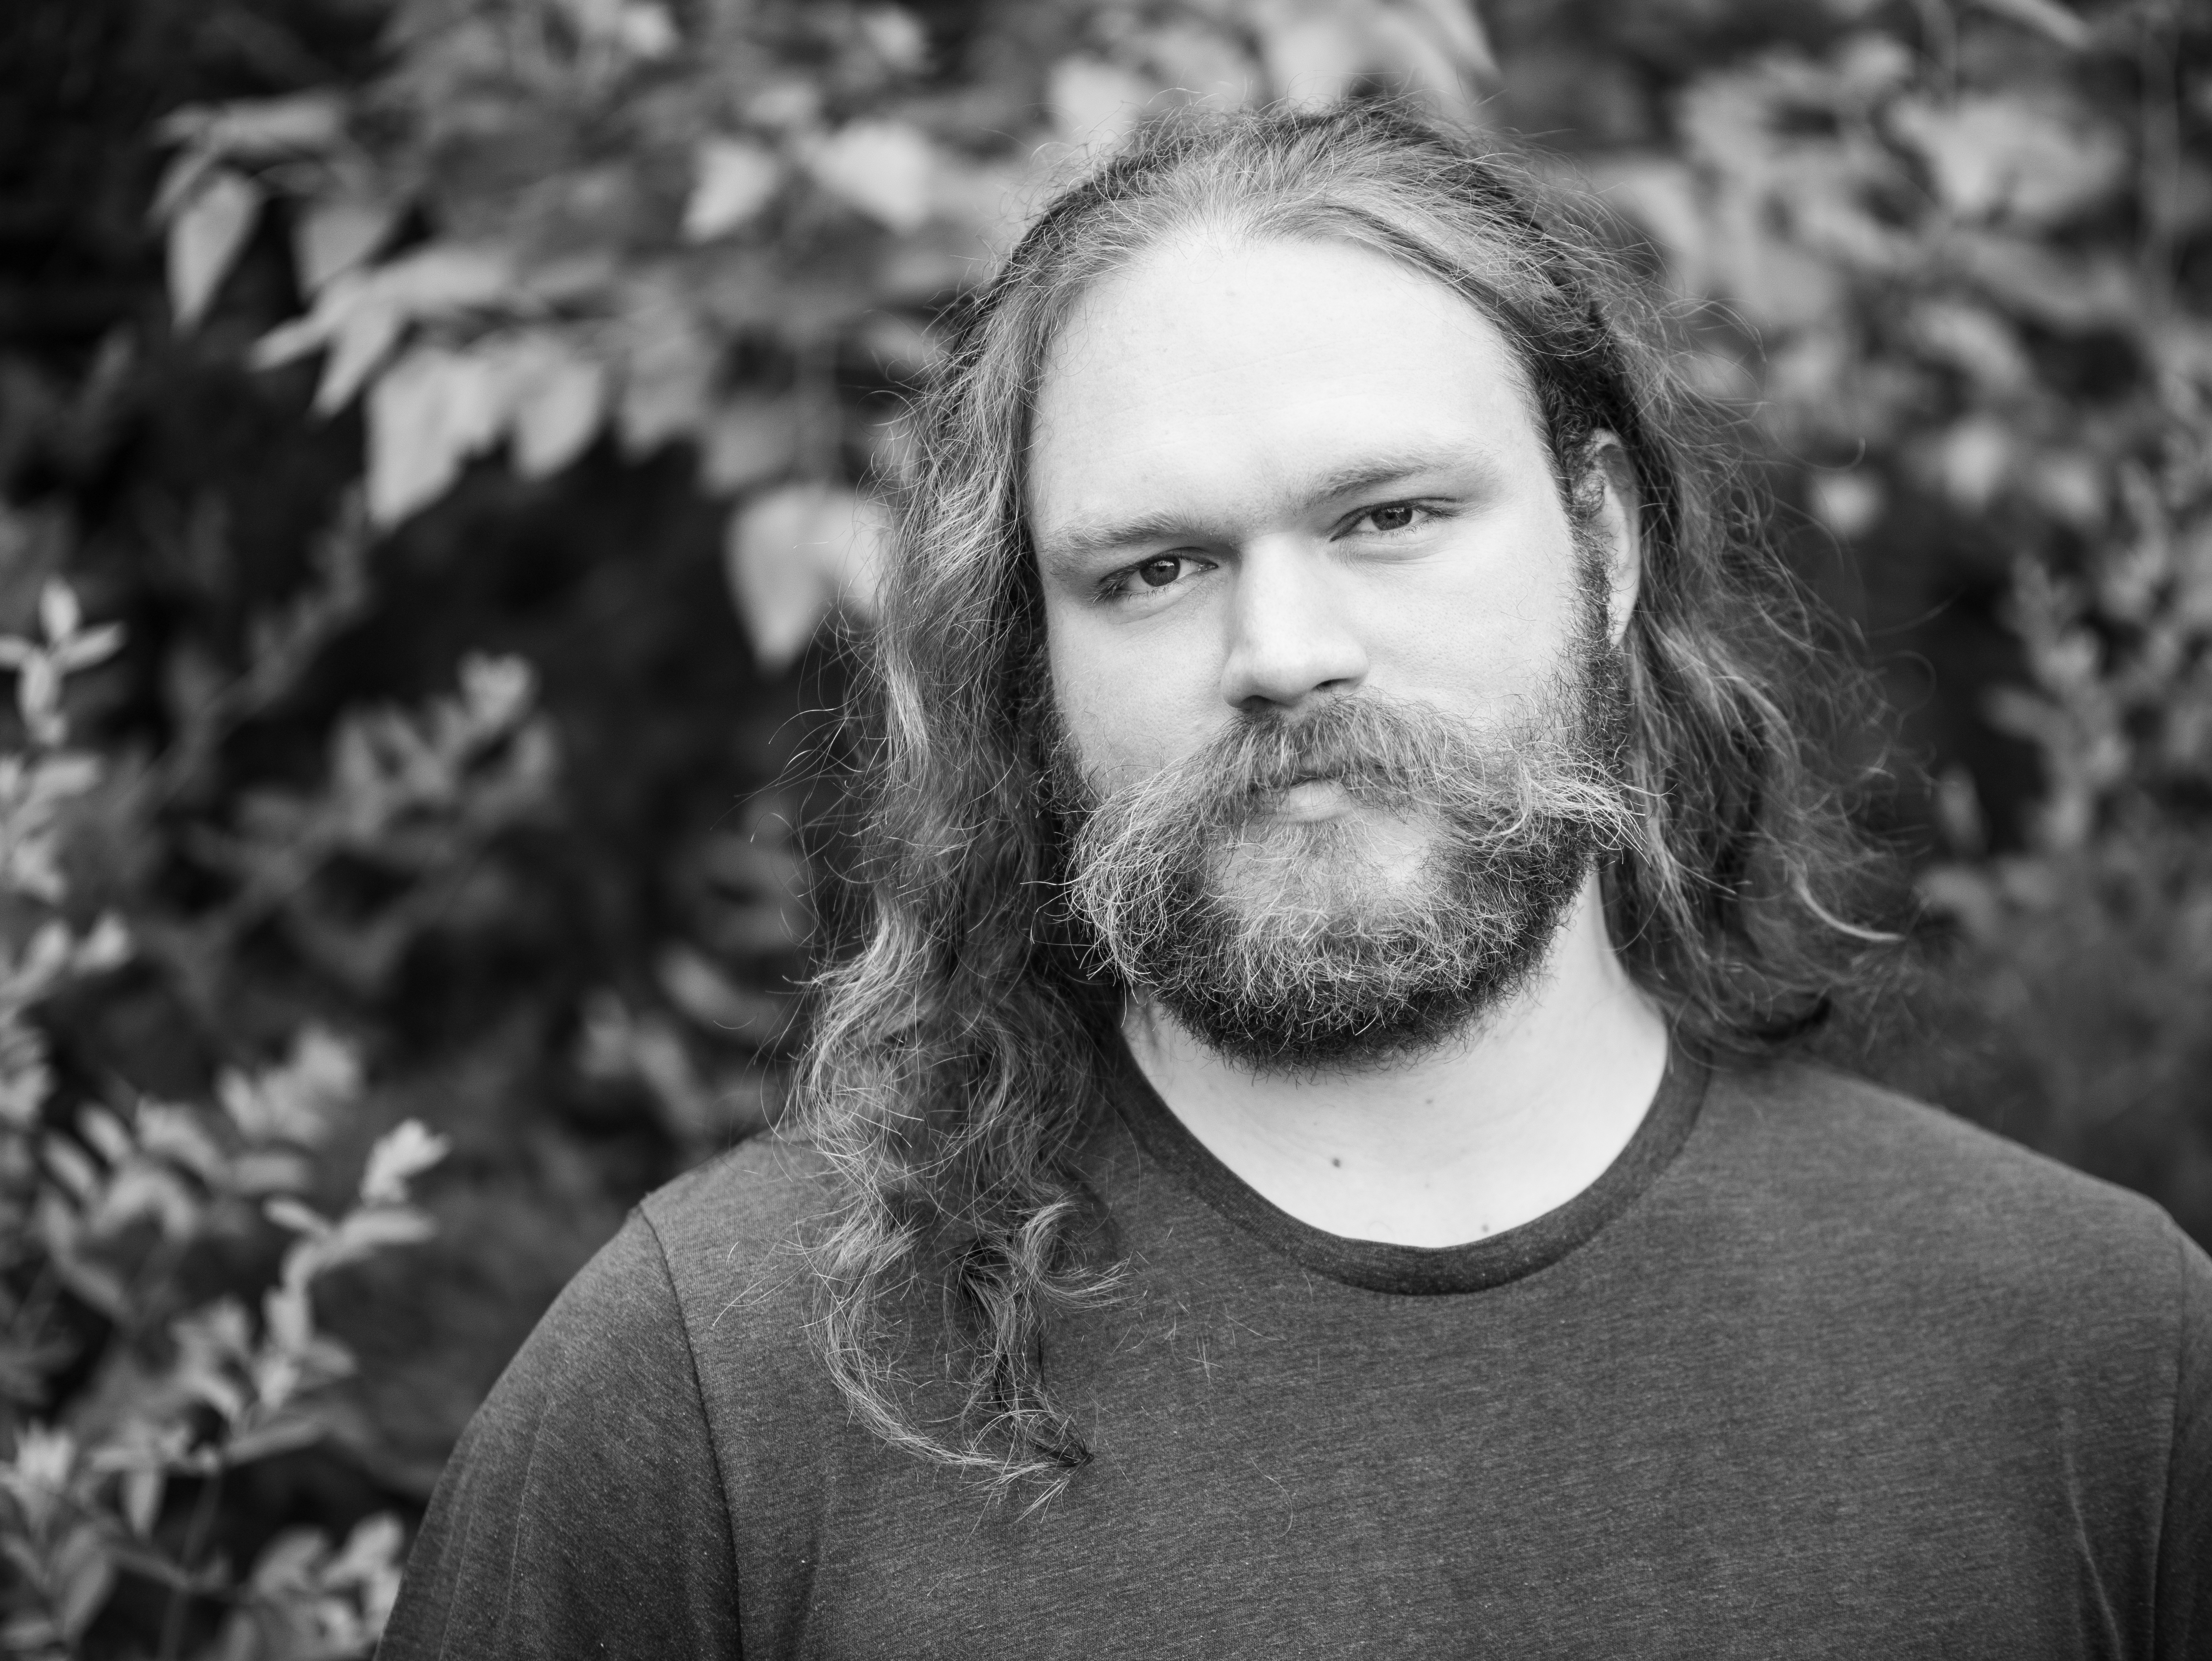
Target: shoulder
[(732, 1237), (706, 1285), (736, 1221), (584, 1512), (1864, 1167), (748, 1207), (1885, 1151)]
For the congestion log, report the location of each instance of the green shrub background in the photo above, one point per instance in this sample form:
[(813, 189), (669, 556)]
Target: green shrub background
[(434, 438)]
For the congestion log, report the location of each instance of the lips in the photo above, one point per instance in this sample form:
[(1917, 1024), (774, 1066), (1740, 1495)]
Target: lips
[(1308, 801), (1333, 771)]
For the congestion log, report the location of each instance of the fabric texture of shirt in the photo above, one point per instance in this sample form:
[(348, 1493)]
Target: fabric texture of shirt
[(1810, 1371)]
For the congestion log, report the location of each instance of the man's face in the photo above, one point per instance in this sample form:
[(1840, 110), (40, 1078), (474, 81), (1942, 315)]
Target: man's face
[(1270, 481)]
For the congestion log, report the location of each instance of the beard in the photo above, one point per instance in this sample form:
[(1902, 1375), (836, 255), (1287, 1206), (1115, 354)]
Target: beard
[(1301, 946)]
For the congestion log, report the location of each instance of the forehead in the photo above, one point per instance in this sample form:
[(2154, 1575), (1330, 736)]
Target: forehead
[(1220, 373)]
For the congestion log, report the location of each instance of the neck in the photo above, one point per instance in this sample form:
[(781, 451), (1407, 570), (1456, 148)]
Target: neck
[(1495, 1130)]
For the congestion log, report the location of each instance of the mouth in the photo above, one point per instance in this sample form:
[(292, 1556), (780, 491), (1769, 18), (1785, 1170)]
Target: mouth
[(1310, 799)]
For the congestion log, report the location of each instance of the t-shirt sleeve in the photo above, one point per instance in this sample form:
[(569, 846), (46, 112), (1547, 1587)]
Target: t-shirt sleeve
[(2184, 1555), (583, 1512)]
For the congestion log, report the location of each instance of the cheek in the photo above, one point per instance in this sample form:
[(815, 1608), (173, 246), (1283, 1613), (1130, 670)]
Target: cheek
[(1494, 619), (1131, 700)]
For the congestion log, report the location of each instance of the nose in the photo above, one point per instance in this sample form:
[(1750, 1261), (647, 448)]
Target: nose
[(1290, 634)]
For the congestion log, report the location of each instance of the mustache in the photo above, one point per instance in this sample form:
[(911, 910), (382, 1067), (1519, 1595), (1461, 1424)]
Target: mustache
[(1385, 753)]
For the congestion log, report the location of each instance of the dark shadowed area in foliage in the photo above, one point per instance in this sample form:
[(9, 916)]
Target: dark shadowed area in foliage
[(465, 414)]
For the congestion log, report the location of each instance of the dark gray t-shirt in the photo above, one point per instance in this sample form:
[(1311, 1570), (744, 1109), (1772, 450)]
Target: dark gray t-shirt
[(1810, 1371)]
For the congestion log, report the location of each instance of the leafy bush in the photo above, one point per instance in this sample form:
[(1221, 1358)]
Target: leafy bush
[(1960, 281), (111, 1212), (465, 409)]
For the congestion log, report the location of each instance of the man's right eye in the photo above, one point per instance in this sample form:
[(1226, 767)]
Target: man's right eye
[(1154, 576)]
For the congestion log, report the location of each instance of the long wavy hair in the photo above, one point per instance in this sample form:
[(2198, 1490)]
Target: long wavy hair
[(958, 1053)]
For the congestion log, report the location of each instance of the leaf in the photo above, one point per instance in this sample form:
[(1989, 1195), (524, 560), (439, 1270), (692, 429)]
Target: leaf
[(646, 31), (38, 698), (145, 1190), (74, 1168), (269, 1173), (360, 314), (213, 1335), (336, 235), (2046, 17), (371, 1553), (668, 369), (882, 168), (296, 1101), (774, 574), (97, 1285), (555, 397), (1973, 338), (259, 128), (793, 553), (427, 414), (1312, 55), (2071, 487), (59, 614), (361, 344), (1972, 459), (2005, 154), (25, 1084), (359, 1233), (179, 179), (288, 1434), (2054, 287), (710, 997), (58, 778), (1404, 50), (87, 1574), (748, 442), (291, 1560), (1848, 503), (400, 1155), (289, 342), (736, 179), (107, 946), (300, 1219), (43, 1459), (1094, 101), (1202, 65), (105, 1132), (495, 693), (141, 1497), (205, 238), (92, 646), (1661, 198), (48, 953), (176, 1134), (898, 37), (641, 29), (1458, 26), (285, 1311)]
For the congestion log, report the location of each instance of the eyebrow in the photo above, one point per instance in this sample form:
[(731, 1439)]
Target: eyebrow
[(1086, 539)]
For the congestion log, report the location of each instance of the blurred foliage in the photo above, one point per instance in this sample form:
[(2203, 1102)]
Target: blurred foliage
[(1965, 280), (434, 441), (712, 234), (115, 1206)]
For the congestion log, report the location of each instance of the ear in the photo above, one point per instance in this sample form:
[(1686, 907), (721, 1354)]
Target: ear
[(1617, 531)]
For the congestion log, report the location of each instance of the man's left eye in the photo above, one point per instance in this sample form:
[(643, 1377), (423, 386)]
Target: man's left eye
[(1398, 516)]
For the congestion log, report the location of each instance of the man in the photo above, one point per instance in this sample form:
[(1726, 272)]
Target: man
[(1302, 1163)]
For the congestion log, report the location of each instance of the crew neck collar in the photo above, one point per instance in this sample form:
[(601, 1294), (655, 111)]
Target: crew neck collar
[(1417, 1271)]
